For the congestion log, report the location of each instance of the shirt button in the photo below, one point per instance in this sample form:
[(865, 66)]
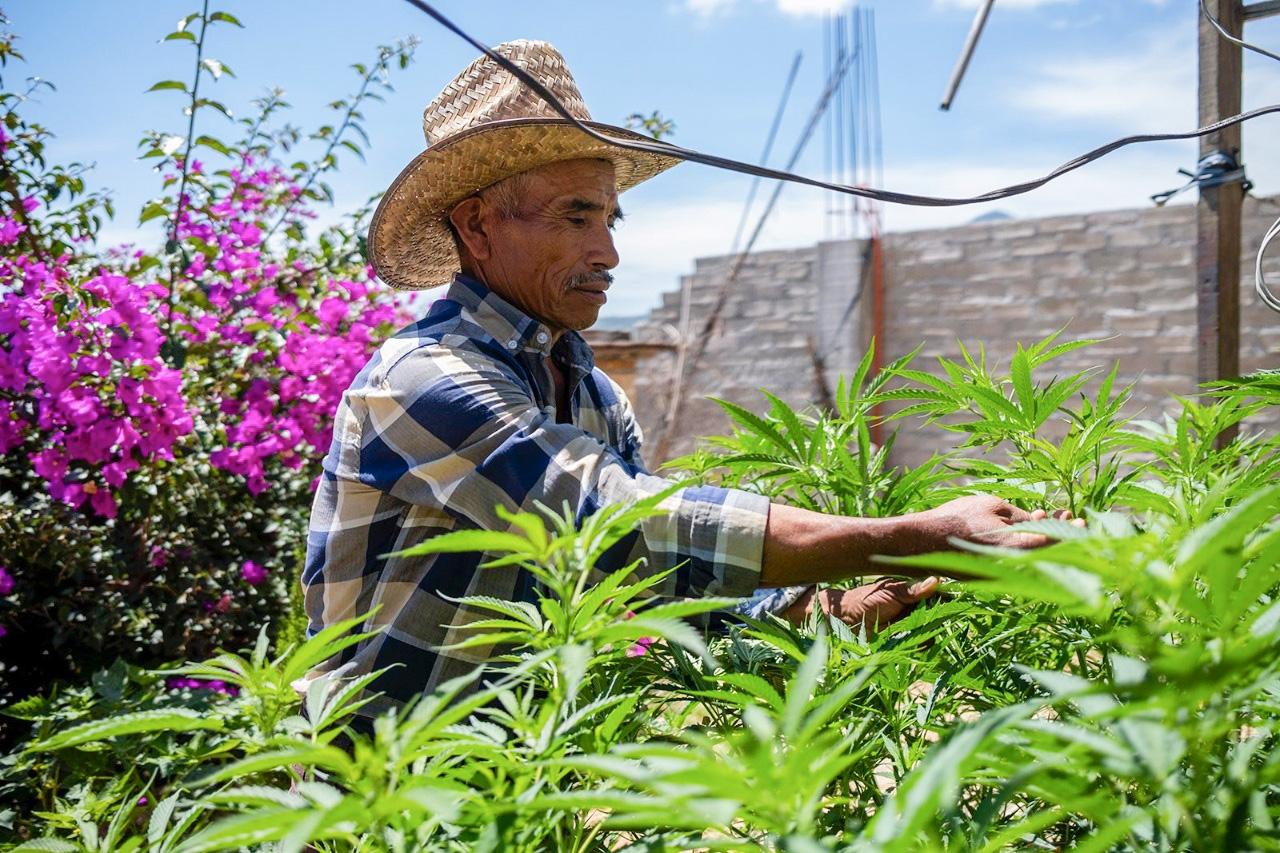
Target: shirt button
[(542, 337), (512, 344)]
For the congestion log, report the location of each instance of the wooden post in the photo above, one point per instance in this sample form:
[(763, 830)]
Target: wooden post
[(1219, 209)]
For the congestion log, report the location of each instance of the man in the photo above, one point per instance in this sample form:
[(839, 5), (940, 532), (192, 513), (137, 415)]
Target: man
[(493, 400)]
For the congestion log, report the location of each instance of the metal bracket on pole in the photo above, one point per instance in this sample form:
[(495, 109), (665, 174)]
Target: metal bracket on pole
[(1263, 9)]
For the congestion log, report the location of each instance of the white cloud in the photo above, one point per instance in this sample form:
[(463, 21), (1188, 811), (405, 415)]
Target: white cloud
[(1150, 88), (794, 8), (709, 8), (1004, 4), (812, 8)]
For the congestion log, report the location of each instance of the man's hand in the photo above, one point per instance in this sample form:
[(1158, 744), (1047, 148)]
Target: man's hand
[(804, 547), (979, 518), (874, 605)]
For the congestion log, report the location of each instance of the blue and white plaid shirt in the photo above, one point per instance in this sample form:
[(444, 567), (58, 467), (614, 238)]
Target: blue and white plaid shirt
[(454, 416)]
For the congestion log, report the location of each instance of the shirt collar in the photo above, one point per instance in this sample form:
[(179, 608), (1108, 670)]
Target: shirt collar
[(513, 329)]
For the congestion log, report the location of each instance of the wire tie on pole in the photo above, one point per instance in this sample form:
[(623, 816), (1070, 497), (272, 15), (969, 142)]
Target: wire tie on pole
[(1214, 169)]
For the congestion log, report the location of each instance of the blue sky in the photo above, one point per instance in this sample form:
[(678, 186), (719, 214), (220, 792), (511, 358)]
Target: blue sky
[(1050, 80)]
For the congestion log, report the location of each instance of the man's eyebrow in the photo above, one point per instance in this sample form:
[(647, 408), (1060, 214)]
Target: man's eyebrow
[(582, 205)]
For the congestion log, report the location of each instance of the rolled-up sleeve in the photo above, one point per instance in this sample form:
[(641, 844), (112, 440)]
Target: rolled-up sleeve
[(460, 431)]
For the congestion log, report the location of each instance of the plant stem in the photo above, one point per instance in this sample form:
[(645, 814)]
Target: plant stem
[(185, 170), (333, 143)]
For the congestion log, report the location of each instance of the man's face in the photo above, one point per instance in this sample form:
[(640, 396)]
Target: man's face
[(552, 257)]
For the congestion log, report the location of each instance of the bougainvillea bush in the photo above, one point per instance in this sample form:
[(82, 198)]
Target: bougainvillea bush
[(163, 405)]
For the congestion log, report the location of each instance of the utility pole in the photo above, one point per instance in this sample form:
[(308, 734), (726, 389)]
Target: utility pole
[(1218, 211)]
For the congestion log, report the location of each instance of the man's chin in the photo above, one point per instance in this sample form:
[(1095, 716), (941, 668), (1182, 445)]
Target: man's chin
[(584, 320)]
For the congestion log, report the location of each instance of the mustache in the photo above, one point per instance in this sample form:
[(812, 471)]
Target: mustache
[(588, 277)]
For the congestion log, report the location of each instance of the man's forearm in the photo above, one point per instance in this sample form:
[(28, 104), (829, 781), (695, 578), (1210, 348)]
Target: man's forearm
[(803, 547)]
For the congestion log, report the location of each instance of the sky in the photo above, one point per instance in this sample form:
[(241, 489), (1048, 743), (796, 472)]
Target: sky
[(1050, 79)]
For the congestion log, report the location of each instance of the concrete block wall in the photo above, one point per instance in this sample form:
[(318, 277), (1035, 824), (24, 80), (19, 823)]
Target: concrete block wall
[(1125, 276), (764, 338)]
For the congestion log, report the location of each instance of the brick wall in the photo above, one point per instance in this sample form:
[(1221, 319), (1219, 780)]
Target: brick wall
[(794, 319)]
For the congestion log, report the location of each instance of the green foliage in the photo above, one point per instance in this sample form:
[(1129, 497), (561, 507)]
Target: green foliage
[(1116, 690), (653, 124), (823, 461)]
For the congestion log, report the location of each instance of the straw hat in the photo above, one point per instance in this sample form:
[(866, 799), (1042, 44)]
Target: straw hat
[(485, 126)]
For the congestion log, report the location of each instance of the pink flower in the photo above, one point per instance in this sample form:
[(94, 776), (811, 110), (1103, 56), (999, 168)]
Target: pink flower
[(6, 581), (253, 573), (103, 503), (216, 685), (9, 231), (641, 647)]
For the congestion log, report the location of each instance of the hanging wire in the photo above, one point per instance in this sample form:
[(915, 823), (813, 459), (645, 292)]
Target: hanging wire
[(1260, 286), (1264, 292), (1204, 10), (669, 150), (666, 149)]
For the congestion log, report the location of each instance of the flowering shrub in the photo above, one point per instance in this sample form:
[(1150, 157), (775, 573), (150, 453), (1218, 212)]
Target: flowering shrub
[(162, 411)]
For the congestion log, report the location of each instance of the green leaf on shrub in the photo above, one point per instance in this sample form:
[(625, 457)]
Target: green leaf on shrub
[(48, 845), (175, 720), (153, 210), (214, 143)]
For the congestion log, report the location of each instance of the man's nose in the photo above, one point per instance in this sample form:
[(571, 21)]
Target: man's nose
[(604, 255)]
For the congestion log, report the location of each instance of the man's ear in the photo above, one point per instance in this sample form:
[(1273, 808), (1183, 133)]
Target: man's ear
[(471, 224)]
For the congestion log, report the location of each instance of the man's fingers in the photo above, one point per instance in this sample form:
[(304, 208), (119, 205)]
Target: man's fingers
[(1066, 515), (923, 589)]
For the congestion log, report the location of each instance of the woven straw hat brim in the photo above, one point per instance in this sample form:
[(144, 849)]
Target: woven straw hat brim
[(410, 245)]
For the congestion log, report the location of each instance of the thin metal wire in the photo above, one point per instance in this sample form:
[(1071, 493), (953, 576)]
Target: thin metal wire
[(1204, 10), (768, 147), (1260, 285)]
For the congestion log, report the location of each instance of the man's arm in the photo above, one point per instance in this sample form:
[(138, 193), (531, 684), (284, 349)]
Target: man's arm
[(803, 547)]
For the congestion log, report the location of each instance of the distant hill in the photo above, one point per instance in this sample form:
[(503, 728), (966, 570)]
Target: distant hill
[(611, 323)]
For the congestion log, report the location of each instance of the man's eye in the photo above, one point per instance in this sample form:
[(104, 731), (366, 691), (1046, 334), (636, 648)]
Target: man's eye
[(577, 220)]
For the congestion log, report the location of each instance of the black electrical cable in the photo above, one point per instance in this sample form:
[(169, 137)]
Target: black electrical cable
[(668, 150)]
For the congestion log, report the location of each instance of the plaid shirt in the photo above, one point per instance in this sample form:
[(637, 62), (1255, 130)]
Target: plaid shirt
[(452, 417)]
